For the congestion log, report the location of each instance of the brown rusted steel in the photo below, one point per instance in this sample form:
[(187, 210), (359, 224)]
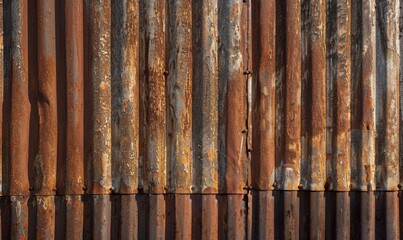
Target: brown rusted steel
[(179, 95), (290, 167), (363, 100), (99, 160), (263, 224), (232, 61), (19, 217), (387, 110), (205, 96), (207, 119), (338, 166), (264, 117), (74, 218), (45, 216), (313, 147), (74, 27), (45, 159), (125, 96), (20, 107), (153, 106)]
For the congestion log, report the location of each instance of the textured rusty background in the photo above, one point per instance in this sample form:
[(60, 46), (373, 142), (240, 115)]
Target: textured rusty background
[(213, 119)]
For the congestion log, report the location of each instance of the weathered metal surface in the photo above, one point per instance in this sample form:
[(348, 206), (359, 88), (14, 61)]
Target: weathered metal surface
[(200, 119), (74, 27), (179, 95), (153, 95), (125, 96)]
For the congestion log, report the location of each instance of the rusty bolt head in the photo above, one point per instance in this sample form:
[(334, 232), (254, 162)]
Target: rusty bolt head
[(300, 187), (111, 189), (166, 72), (84, 188), (399, 185), (274, 185)]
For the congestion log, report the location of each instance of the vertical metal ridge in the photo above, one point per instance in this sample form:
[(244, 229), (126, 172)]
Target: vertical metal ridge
[(74, 168), (20, 107), (387, 108), (125, 96), (290, 178), (179, 96), (45, 158), (232, 36), (363, 96), (340, 161), (205, 94), (100, 75), (314, 133), (153, 96), (264, 94)]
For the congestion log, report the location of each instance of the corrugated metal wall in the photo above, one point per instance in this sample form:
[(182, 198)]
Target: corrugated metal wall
[(213, 119)]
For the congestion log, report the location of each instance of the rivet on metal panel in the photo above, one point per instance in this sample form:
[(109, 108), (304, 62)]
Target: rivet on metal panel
[(166, 72), (84, 188), (300, 187), (399, 185), (274, 185)]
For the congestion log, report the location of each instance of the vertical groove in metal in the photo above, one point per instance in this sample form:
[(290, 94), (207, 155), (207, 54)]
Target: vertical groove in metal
[(2, 94)]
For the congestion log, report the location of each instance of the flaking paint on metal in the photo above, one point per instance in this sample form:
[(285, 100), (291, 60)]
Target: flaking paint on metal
[(387, 172), (179, 95), (125, 96), (153, 97), (205, 96), (101, 97), (363, 102)]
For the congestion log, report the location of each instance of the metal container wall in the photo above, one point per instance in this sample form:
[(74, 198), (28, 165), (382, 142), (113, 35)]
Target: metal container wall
[(213, 119)]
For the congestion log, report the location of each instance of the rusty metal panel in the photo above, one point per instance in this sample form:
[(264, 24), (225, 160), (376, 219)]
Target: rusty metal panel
[(179, 119)]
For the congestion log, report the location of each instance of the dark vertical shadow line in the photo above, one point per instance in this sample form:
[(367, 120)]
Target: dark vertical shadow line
[(61, 93)]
